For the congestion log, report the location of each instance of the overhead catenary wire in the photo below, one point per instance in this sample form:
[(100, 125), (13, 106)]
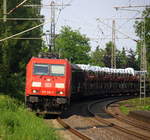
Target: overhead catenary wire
[(105, 38), (30, 29), (33, 38), (14, 19), (131, 10), (134, 6), (121, 18), (60, 10), (122, 25), (20, 4), (117, 30), (99, 33)]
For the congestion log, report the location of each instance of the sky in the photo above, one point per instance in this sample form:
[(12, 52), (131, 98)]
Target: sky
[(82, 15)]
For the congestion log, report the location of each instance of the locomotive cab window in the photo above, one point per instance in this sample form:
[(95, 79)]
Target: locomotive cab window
[(57, 70), (41, 69)]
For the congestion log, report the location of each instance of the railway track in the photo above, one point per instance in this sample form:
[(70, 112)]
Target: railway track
[(100, 117), (80, 123), (72, 130), (114, 111)]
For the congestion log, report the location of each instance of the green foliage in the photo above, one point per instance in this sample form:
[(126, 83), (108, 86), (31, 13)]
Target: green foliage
[(73, 46), (124, 109), (102, 57), (17, 123), (121, 59), (97, 57), (132, 61), (14, 54), (139, 26), (134, 104), (147, 107), (107, 54)]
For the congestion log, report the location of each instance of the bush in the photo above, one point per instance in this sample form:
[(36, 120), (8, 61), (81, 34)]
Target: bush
[(135, 104), (147, 107), (12, 84), (16, 123)]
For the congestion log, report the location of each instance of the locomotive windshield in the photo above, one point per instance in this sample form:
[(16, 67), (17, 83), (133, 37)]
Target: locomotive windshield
[(49, 69), (41, 69), (57, 70)]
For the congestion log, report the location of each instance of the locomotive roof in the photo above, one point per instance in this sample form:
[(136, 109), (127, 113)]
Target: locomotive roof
[(102, 69), (47, 60)]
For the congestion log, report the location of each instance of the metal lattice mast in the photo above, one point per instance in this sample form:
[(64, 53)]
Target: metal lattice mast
[(143, 65), (113, 52), (52, 30)]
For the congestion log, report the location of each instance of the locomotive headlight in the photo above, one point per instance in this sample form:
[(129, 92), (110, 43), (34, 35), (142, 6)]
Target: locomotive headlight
[(36, 84), (61, 92), (35, 91)]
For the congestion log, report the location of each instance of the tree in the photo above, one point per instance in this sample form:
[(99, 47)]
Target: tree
[(132, 61), (121, 59), (139, 25), (107, 54), (16, 53), (97, 57), (72, 45)]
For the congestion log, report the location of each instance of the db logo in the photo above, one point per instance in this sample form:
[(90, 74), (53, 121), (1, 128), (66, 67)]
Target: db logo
[(47, 84)]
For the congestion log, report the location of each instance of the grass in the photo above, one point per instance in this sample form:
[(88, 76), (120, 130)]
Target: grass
[(17, 123), (134, 104)]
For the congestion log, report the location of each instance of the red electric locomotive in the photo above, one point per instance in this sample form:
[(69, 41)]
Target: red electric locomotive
[(51, 82), (48, 85)]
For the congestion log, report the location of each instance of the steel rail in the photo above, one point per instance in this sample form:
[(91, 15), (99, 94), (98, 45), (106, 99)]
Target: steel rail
[(128, 120), (72, 130), (100, 119), (28, 19)]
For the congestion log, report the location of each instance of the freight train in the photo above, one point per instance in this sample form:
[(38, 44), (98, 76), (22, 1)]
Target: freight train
[(51, 83)]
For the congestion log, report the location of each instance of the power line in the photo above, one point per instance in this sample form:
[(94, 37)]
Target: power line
[(117, 30), (131, 10), (52, 5), (14, 19), (127, 21), (19, 5), (31, 38), (68, 4), (31, 5), (105, 38), (123, 18), (135, 6), (30, 29)]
